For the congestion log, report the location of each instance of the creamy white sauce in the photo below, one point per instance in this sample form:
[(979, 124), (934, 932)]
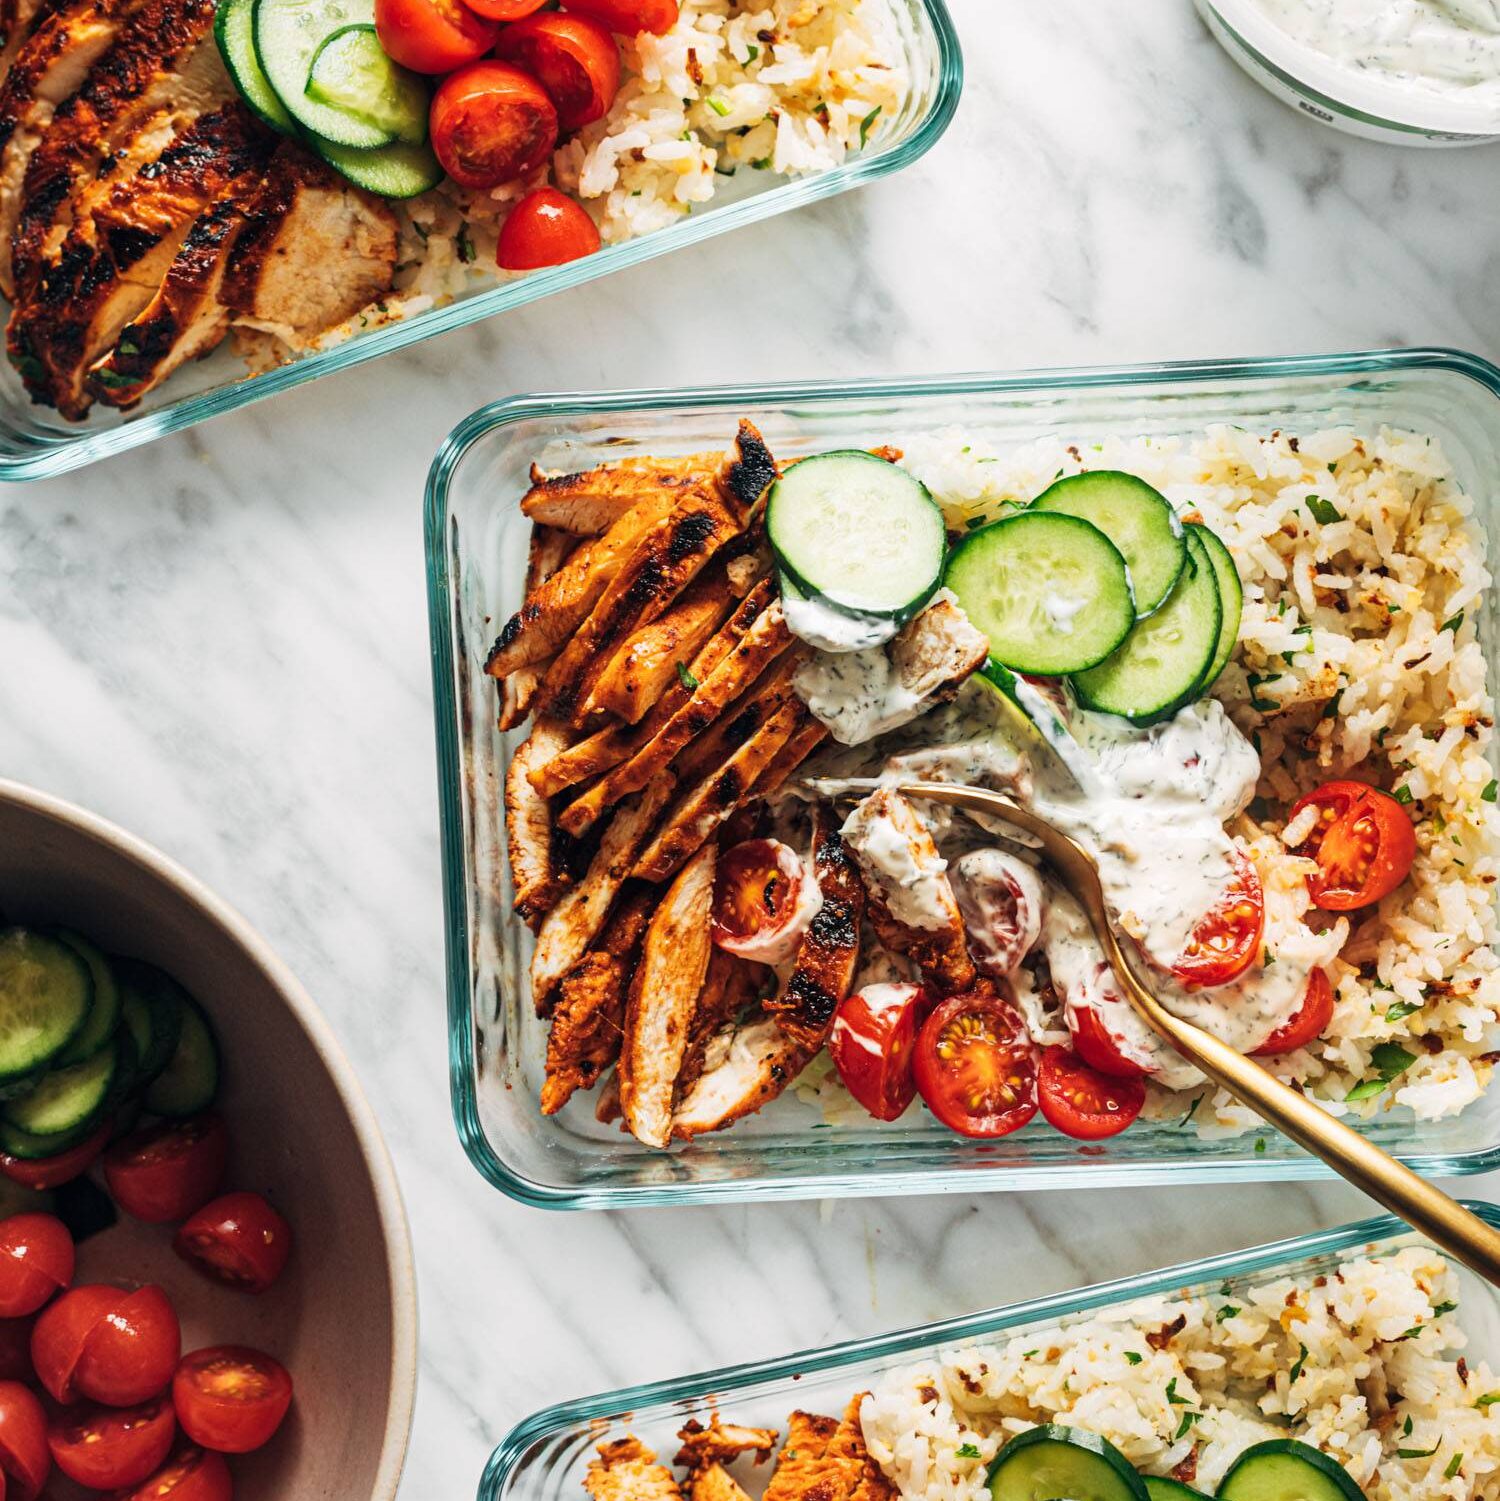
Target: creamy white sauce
[(779, 945), (912, 882), (884, 1002), (831, 630), (1062, 609), (1446, 47), (857, 694)]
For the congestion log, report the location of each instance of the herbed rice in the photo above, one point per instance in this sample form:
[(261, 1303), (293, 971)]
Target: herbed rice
[(1364, 1364)]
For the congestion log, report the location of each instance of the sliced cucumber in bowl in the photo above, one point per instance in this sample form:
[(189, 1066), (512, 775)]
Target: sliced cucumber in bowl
[(99, 1026), (1054, 1462), (190, 1080), (1231, 599), (70, 1100), (234, 22), (399, 170), (46, 994), (351, 72), (288, 35), (153, 1004)]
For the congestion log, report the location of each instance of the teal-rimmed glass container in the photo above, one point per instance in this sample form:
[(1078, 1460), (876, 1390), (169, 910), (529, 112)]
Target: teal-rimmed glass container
[(35, 442), (544, 1457), (476, 557)]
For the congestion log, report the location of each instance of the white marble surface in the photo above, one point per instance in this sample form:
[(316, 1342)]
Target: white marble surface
[(221, 642)]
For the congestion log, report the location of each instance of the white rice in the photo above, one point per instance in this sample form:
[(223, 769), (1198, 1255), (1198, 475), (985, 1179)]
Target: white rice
[(1375, 1349)]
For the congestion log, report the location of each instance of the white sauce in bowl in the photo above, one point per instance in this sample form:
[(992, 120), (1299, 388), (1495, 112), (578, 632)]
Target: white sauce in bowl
[(831, 630)]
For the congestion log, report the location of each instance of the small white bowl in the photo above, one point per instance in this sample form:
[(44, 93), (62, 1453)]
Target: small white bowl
[(343, 1317), (1339, 96)]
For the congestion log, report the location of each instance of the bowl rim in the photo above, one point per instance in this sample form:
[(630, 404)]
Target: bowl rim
[(395, 1229), (498, 415)]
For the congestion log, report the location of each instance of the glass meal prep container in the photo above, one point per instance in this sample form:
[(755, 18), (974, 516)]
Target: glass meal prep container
[(544, 1457), (476, 558), (37, 442)]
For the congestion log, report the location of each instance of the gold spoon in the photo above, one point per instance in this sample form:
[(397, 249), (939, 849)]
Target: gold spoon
[(1426, 1208)]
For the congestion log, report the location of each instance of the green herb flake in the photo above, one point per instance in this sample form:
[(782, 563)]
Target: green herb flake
[(111, 380), (1301, 1361), (1416, 1453), (761, 163), (1134, 1357), (1027, 1354), (1399, 1010), (751, 53), (1443, 1308), (1406, 1427), (973, 523), (1454, 1466), (867, 124), (968, 1451), (1453, 622), (127, 346), (1403, 795), (1188, 1419), (1390, 1062), (686, 678), (1487, 1400), (463, 244), (717, 106), (1491, 791), (1228, 1311), (1260, 1146), (1411, 1333), (1172, 1396), (1324, 512)]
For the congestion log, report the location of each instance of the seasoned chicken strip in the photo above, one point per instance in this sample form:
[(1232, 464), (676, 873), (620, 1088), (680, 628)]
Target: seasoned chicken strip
[(729, 990), (536, 876), (626, 1470), (721, 1442), (851, 1473), (912, 906), (589, 503), (746, 1067), (790, 757), (549, 550), (808, 1435), (667, 983)]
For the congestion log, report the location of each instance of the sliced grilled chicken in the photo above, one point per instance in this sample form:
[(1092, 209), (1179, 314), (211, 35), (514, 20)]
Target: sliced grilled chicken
[(844, 1471), (729, 989), (17, 17), (589, 503), (808, 1435), (537, 876), (746, 1067), (549, 550), (790, 757), (626, 1470), (721, 1443)]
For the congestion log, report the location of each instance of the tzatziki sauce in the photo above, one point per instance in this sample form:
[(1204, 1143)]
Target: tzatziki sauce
[(830, 630)]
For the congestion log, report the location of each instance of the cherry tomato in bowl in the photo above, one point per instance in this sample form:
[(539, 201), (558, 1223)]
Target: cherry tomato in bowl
[(1308, 1023), (231, 1398), (166, 1172), (62, 1330), (574, 58), (505, 10), (872, 1044), (433, 36), (1099, 1047), (1363, 842), (975, 1066), (36, 1261), (130, 1354), (629, 17), (545, 228), (763, 900), (52, 1172), (1083, 1103), (25, 1460), (1226, 942), (191, 1474), (106, 1448), (491, 123), (238, 1240)]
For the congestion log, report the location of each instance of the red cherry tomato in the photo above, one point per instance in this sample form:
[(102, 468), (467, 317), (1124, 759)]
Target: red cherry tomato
[(545, 228), (36, 1260), (975, 1066), (231, 1398), (574, 58), (24, 1457), (1083, 1103), (15, 1351), (51, 1172), (192, 1474), (628, 17), (505, 10), (107, 1447), (1363, 842), (872, 1042), (166, 1172), (58, 1338), (129, 1355), (1227, 941), (1309, 1022), (238, 1240), (760, 907), (433, 36), (1098, 1046), (491, 123)]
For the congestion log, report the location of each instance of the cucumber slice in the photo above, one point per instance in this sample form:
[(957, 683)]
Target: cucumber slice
[(1052, 1462), (15, 1142), (857, 532), (351, 72), (67, 1100), (190, 1081), (153, 1004), (1281, 1469), (399, 170), (104, 1015), (46, 993), (1163, 663), (1138, 519), (287, 36), (1231, 598), (233, 23), (1049, 590), (1159, 1488), (1040, 715)]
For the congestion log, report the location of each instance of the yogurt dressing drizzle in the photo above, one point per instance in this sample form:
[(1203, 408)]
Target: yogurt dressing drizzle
[(831, 630)]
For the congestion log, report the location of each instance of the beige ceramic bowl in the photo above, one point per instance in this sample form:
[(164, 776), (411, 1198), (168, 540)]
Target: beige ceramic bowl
[(343, 1318)]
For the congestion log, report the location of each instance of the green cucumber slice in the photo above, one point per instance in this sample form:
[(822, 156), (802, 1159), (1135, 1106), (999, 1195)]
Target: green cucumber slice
[(190, 1080), (1281, 1469), (15, 1142), (287, 36), (46, 993), (1231, 598), (1138, 519), (1159, 1488), (351, 72), (1049, 590), (153, 1004), (1054, 1463), (1162, 664), (399, 170), (68, 1100), (858, 532), (104, 1015), (233, 31)]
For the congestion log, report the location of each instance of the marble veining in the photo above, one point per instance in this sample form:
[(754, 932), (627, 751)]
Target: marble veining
[(220, 641)]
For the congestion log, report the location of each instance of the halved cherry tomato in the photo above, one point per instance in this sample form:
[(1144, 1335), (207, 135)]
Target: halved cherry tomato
[(166, 1172), (433, 36), (629, 17), (491, 123), (1082, 1102), (574, 58), (52, 1172), (107, 1447), (36, 1259), (24, 1456), (192, 1474), (872, 1042), (15, 1351), (505, 10), (1363, 842), (975, 1066), (58, 1338), (1098, 1046), (231, 1398), (545, 228), (129, 1355), (760, 907), (1308, 1023), (239, 1240), (1227, 941)]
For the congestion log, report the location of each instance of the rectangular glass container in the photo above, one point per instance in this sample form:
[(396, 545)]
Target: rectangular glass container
[(476, 556)]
